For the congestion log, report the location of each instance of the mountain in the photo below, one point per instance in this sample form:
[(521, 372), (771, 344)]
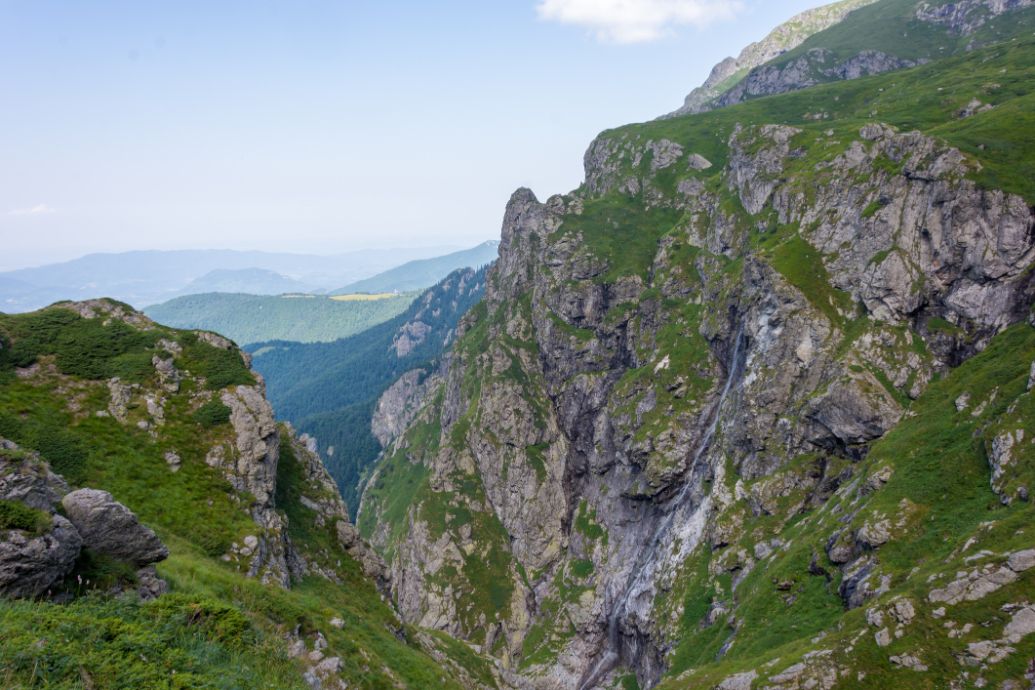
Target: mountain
[(423, 273), (881, 37), (254, 281), (158, 528), (352, 395), (789, 35), (143, 278), (753, 407), (297, 317)]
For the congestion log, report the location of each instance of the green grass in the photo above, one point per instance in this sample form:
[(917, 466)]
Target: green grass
[(17, 515), (623, 231)]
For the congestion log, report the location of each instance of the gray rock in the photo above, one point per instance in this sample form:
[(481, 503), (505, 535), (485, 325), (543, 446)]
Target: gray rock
[(30, 565), (398, 405), (26, 478), (110, 528)]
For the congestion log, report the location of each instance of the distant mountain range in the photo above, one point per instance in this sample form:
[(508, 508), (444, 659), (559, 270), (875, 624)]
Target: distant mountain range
[(143, 278), (423, 273)]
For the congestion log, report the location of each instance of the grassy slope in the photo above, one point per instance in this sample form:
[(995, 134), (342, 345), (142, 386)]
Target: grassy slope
[(257, 318), (217, 628)]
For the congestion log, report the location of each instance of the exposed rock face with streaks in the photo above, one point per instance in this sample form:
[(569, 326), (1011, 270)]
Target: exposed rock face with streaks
[(683, 398)]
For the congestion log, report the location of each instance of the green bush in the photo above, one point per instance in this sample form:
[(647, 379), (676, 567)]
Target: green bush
[(213, 413), (221, 368), (89, 348), (17, 515)]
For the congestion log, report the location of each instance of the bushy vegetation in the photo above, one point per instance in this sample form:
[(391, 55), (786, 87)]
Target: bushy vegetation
[(221, 368), (213, 413), (258, 318), (17, 515), (87, 348)]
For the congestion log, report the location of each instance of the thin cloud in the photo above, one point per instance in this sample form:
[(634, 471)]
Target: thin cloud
[(37, 210), (635, 21)]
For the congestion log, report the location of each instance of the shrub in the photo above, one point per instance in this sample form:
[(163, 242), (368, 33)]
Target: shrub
[(213, 413), (221, 368), (17, 515)]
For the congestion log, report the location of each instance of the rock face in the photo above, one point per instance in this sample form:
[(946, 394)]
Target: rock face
[(763, 69), (26, 478), (669, 357), (110, 528), (398, 405), (30, 565), (785, 37)]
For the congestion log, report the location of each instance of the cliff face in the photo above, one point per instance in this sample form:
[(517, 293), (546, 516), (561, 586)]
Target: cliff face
[(676, 436)]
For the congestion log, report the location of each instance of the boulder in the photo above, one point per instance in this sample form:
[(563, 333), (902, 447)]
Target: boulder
[(26, 478), (30, 565), (110, 528)]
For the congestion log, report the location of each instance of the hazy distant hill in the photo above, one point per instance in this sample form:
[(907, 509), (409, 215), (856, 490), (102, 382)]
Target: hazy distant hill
[(254, 281), (423, 273), (143, 278), (301, 318)]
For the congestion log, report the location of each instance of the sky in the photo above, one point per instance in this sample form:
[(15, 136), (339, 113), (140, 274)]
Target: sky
[(324, 126)]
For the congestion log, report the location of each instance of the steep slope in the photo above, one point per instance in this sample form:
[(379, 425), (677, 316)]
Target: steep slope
[(336, 392), (296, 317), (268, 584), (874, 38), (701, 429), (783, 38), (423, 273)]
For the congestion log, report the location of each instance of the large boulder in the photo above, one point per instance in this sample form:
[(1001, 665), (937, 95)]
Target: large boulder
[(31, 564), (26, 478), (110, 528)]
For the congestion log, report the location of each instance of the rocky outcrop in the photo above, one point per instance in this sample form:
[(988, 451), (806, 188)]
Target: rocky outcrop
[(34, 561), (25, 478), (813, 67), (31, 564), (966, 16), (107, 527), (783, 38), (398, 405)]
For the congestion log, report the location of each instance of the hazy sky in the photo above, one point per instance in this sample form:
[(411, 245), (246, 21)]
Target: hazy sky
[(323, 126)]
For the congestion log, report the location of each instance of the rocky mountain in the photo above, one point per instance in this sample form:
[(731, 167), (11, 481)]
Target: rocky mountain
[(752, 407), (352, 396), (424, 273), (819, 47), (159, 528), (789, 35)]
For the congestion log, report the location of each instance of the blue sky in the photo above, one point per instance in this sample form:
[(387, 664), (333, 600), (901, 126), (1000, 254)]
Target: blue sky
[(319, 126)]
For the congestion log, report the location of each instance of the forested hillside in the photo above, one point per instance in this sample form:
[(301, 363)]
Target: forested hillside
[(330, 390), (297, 317)]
